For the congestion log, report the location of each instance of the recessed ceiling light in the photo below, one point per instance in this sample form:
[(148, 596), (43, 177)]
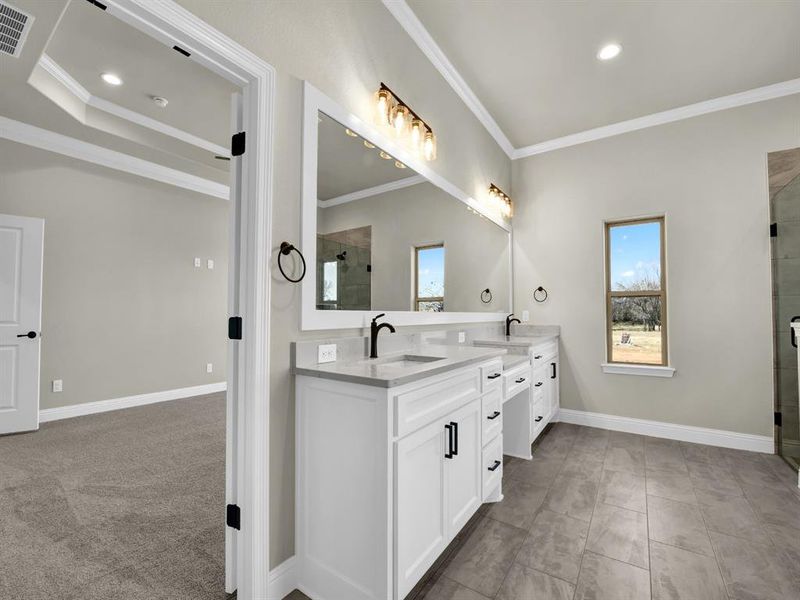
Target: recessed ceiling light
[(111, 79), (609, 51)]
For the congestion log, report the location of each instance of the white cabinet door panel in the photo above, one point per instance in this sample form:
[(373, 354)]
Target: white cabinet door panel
[(463, 470)]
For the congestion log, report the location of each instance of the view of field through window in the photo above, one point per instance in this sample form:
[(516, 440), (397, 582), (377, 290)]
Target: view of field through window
[(635, 294), (430, 278)]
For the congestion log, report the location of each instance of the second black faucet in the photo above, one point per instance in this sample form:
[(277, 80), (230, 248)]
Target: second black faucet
[(373, 334), (509, 321)]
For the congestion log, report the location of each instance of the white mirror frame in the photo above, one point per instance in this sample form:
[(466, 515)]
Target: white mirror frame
[(314, 102)]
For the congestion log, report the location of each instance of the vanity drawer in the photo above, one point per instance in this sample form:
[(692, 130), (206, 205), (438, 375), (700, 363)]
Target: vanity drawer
[(492, 415), (492, 466), (425, 404), (491, 375), (542, 353), (516, 380)]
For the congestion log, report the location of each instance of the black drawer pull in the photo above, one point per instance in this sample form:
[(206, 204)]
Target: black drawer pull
[(496, 464), (553, 376), (520, 380), (539, 384), (449, 453), (537, 419), (495, 376), (537, 357), (454, 451), (494, 415)]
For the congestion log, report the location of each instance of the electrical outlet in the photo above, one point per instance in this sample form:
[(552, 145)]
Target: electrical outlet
[(326, 353), (58, 385), (525, 316), (197, 263), (210, 263), (209, 368), (462, 337)]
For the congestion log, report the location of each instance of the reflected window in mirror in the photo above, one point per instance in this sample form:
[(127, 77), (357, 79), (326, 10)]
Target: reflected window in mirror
[(429, 277), (330, 277)]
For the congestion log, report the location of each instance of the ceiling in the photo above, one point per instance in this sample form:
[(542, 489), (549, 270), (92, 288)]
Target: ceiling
[(21, 101), (88, 42), (345, 165), (533, 65)]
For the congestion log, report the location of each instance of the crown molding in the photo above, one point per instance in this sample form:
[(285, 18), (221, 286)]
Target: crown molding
[(398, 184), (81, 93), (30, 135), (416, 30), (767, 92)]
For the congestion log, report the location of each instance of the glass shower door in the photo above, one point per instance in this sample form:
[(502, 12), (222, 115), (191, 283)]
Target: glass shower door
[(784, 192)]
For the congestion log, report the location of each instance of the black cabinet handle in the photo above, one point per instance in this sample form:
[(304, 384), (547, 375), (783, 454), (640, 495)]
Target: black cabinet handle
[(537, 419), (495, 376), (791, 330), (553, 376), (454, 451), (539, 384), (494, 415), (520, 380), (495, 465), (537, 357), (30, 334), (449, 453)]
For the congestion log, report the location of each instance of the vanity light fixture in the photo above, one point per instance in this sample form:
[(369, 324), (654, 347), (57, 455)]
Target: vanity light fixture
[(392, 111), (111, 79), (499, 201)]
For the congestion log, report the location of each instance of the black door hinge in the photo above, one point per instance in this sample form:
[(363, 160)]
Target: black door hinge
[(237, 144), (99, 5), (233, 516), (235, 328), (773, 230), (778, 419)]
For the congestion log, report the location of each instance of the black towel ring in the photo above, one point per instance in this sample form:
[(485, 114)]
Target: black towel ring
[(539, 291), (286, 249), (486, 292)]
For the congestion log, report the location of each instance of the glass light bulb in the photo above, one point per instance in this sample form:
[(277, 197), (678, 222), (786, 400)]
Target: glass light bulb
[(384, 155), (429, 146), (417, 134), (350, 132), (399, 165), (400, 119), (369, 144), (383, 107)]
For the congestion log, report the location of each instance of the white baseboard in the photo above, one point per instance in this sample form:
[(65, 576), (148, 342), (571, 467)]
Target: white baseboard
[(282, 579), (671, 431), (90, 408)]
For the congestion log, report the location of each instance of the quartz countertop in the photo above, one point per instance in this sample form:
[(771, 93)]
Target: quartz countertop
[(512, 360), (389, 371), (515, 341)]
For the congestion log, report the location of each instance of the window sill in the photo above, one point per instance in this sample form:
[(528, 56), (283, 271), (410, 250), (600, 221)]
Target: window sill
[(642, 370)]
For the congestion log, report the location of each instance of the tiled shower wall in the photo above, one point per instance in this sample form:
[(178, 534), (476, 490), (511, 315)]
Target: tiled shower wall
[(784, 189)]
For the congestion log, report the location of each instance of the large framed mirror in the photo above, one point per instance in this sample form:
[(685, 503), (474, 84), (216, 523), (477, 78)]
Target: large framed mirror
[(382, 232)]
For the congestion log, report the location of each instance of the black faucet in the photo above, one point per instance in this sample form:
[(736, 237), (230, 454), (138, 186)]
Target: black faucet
[(509, 321), (373, 335)]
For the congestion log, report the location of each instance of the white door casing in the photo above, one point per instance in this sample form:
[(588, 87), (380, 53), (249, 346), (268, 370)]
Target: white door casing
[(21, 248)]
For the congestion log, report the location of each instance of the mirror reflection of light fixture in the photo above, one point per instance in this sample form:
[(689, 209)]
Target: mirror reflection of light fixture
[(399, 165), (384, 155), (499, 201), (350, 133), (392, 111), (369, 144)]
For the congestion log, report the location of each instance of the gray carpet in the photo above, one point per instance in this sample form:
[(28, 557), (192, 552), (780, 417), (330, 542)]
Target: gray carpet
[(122, 505)]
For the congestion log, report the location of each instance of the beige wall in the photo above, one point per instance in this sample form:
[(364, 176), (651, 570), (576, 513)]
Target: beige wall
[(345, 49), (124, 311), (476, 250), (709, 176)]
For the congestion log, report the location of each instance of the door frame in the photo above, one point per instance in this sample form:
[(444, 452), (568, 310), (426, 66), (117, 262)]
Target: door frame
[(248, 381)]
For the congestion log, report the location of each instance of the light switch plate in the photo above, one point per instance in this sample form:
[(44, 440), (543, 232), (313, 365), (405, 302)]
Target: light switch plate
[(326, 353), (198, 263), (58, 385), (209, 368), (462, 337), (526, 315), (210, 263)]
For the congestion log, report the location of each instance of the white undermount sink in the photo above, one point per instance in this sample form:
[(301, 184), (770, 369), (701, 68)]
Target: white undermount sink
[(404, 360)]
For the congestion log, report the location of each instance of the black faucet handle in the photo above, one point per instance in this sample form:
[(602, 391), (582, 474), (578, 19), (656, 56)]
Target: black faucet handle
[(509, 316), (375, 319)]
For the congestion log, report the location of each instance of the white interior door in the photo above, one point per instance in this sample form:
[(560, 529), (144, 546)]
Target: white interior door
[(21, 246)]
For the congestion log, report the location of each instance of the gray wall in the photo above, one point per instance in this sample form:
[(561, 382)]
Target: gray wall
[(709, 175), (476, 250), (345, 49), (124, 310)]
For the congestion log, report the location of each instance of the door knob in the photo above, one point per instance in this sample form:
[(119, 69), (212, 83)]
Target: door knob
[(30, 334)]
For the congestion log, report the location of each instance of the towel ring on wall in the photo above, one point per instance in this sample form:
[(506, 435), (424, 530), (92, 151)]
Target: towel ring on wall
[(484, 294), (539, 298), (286, 249)]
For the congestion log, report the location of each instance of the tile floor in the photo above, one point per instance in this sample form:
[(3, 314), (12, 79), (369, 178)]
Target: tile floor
[(612, 516)]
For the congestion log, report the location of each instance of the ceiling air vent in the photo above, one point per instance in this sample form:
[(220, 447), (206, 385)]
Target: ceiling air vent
[(14, 26)]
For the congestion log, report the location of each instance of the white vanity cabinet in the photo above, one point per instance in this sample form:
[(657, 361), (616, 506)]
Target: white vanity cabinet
[(386, 477)]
